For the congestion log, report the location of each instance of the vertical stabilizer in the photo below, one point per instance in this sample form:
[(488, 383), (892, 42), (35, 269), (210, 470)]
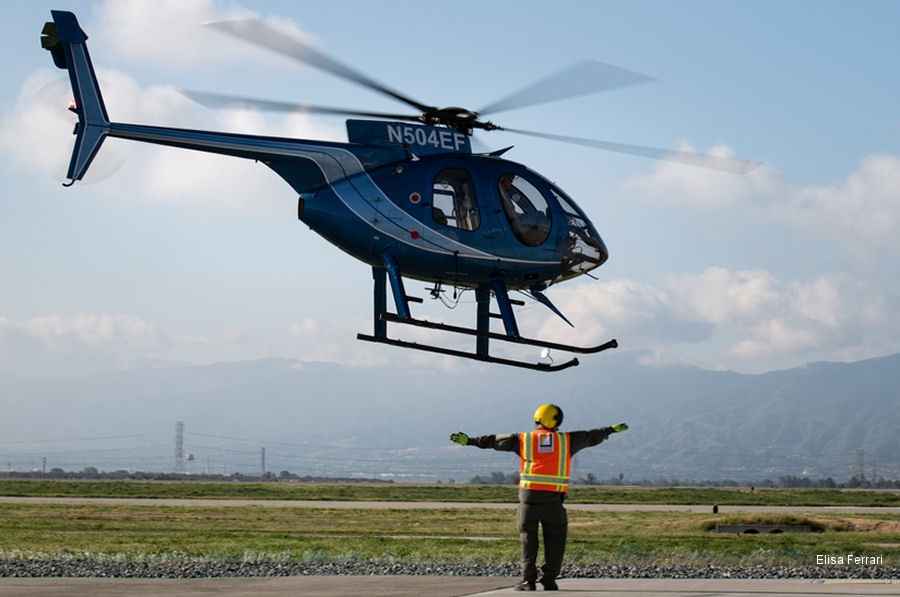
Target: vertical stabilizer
[(65, 40)]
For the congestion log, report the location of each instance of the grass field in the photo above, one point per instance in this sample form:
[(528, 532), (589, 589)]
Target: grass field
[(433, 535), (444, 493)]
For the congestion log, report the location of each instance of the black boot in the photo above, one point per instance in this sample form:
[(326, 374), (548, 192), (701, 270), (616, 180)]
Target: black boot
[(526, 585), (549, 584)]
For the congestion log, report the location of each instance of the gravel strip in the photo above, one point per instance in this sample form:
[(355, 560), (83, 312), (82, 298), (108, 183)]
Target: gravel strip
[(191, 568)]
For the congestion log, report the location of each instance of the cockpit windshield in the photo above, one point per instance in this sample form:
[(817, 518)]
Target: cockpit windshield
[(585, 250)]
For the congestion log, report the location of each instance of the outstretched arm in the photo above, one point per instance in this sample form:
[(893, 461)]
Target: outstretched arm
[(586, 439), (504, 443)]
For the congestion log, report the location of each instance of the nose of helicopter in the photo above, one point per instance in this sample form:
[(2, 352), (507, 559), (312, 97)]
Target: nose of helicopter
[(585, 249), (603, 252)]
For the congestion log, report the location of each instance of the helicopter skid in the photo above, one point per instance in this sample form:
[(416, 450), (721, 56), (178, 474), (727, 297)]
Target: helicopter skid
[(469, 355), (495, 336), (482, 355)]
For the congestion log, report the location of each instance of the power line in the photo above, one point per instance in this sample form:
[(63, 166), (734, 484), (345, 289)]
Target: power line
[(266, 442), (80, 439)]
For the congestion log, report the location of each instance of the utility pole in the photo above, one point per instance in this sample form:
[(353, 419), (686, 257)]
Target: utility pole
[(861, 464)]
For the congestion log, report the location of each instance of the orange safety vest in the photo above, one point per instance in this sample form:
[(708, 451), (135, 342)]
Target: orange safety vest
[(546, 460)]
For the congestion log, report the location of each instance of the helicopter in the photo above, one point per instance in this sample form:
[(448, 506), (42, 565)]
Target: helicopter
[(406, 194)]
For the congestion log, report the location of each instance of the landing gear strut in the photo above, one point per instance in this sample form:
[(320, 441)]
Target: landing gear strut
[(482, 332)]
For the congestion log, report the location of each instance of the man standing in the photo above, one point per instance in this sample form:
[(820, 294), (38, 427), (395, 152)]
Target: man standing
[(545, 462)]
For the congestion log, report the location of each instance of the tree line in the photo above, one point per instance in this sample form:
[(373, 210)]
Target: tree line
[(783, 482)]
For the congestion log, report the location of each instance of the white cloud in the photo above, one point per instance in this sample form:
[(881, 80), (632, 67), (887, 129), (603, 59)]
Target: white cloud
[(769, 317), (333, 341), (165, 32), (169, 33), (641, 317), (64, 345), (108, 332), (599, 310), (776, 337), (834, 246), (61, 346), (124, 335), (720, 296), (745, 320), (860, 213)]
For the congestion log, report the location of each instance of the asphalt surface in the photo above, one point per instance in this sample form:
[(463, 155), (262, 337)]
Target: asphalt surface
[(444, 505), (418, 586)]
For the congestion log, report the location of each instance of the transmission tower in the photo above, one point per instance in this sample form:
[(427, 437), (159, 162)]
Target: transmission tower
[(861, 464), (179, 447), (262, 462)]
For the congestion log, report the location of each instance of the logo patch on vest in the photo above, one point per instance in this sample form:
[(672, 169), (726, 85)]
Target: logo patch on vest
[(545, 442)]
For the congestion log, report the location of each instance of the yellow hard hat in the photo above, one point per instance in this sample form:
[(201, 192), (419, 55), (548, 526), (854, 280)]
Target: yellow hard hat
[(548, 415)]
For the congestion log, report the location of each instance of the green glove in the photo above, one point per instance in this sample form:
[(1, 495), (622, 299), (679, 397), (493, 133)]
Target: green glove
[(619, 427), (459, 438)]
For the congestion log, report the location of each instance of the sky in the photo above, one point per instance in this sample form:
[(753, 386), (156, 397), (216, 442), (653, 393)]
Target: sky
[(165, 255)]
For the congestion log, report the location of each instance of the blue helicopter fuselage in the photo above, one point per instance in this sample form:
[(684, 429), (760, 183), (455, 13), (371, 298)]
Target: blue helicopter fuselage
[(441, 211)]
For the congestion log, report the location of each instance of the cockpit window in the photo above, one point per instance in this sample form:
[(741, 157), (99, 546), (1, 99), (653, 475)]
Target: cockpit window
[(526, 209), (453, 200)]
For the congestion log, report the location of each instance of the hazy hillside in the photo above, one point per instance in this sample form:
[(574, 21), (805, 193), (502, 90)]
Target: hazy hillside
[(316, 418)]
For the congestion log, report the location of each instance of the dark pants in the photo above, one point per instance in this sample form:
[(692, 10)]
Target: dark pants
[(555, 524)]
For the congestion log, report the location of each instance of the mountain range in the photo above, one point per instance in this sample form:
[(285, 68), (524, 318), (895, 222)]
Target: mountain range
[(820, 420)]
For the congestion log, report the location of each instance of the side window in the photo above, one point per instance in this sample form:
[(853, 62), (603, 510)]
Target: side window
[(453, 200), (526, 209)]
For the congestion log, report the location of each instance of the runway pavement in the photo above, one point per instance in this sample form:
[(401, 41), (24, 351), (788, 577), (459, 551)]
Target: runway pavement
[(441, 505), (429, 586)]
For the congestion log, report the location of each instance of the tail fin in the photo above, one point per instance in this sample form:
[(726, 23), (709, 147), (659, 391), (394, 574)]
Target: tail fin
[(65, 40)]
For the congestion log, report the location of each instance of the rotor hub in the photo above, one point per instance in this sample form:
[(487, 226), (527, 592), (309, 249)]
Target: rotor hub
[(458, 119)]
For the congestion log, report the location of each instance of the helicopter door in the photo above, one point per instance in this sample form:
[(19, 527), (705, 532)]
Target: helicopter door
[(526, 209), (453, 200)]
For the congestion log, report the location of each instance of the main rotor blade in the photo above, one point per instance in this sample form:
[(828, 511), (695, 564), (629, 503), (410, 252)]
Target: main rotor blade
[(215, 100), (714, 162), (257, 32), (585, 77)]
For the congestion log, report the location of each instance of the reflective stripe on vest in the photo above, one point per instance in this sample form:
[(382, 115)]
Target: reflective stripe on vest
[(546, 461)]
